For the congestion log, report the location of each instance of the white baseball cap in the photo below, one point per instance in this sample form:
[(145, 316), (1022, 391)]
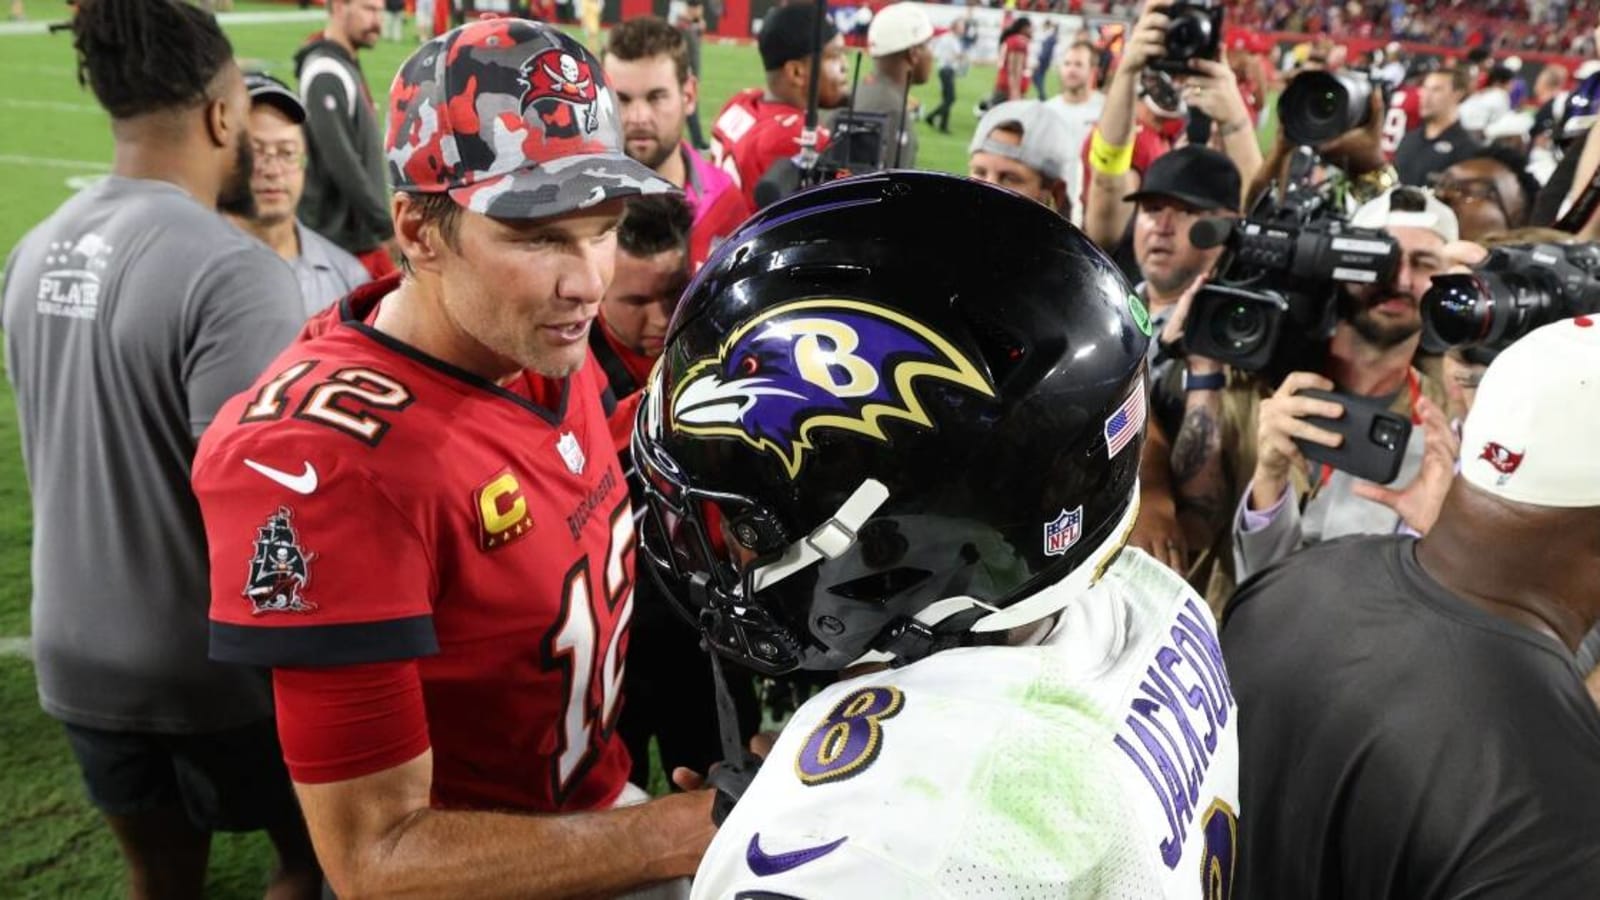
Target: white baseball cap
[(897, 27), (1412, 207), (1534, 427)]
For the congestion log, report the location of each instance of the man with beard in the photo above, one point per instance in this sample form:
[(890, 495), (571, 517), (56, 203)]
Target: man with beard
[(278, 144), (1290, 503), (647, 65), (758, 127), (346, 198), (130, 315)]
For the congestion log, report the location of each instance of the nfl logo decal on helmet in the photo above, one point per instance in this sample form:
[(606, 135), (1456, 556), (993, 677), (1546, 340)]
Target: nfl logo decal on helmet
[(1062, 532)]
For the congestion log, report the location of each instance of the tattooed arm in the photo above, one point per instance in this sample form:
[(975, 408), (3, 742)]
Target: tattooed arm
[(1199, 482)]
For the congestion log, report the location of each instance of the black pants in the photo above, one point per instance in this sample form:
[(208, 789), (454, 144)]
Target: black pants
[(940, 117)]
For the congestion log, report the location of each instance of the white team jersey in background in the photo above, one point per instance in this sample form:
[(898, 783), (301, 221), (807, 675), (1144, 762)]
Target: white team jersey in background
[(1102, 762)]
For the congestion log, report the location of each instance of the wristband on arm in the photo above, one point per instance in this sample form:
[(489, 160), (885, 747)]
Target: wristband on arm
[(1109, 159)]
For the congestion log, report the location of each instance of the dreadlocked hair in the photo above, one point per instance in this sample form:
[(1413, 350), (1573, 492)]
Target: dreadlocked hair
[(143, 56)]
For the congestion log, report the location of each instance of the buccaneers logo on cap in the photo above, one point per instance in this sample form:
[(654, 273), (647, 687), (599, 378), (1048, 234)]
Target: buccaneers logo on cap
[(1504, 461), (560, 85), (815, 365)]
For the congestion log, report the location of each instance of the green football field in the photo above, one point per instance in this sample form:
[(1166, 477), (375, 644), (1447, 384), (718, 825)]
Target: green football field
[(52, 138)]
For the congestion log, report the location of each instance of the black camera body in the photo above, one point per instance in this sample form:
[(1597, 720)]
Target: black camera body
[(1518, 288), (1195, 32), (1318, 106), (1272, 309)]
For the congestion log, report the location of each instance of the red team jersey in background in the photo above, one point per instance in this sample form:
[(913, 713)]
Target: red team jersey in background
[(1404, 114), (751, 133), (366, 503), (1014, 47)]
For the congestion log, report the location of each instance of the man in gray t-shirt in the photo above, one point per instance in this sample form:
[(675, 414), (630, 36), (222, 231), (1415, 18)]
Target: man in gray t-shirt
[(898, 42), (130, 314)]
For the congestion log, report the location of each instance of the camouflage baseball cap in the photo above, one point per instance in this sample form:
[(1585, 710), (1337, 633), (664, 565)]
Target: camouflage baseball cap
[(514, 120)]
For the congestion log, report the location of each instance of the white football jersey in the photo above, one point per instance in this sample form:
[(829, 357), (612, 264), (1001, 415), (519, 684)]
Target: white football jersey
[(1100, 762)]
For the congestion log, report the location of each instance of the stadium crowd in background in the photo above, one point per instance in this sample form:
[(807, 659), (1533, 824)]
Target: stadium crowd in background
[(505, 418)]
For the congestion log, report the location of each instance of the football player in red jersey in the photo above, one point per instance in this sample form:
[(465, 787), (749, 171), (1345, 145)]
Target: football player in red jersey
[(760, 126), (417, 519)]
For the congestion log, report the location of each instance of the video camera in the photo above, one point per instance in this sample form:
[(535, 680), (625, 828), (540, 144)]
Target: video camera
[(1272, 309), (1517, 289)]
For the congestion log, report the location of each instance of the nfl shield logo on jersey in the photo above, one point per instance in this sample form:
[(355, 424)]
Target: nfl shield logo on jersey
[(571, 453), (1064, 531)]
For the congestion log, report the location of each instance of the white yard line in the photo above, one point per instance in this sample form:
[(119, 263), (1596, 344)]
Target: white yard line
[(48, 162), (228, 19), (17, 647), (51, 105)]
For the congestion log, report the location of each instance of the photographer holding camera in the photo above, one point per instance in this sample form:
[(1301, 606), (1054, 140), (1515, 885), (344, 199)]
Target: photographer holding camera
[(1416, 727), (1126, 140), (1290, 504)]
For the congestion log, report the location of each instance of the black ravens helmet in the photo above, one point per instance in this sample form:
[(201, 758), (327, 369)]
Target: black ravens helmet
[(894, 413)]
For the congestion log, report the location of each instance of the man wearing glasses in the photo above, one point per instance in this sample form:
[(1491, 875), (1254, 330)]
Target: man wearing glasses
[(325, 271), (1489, 191)]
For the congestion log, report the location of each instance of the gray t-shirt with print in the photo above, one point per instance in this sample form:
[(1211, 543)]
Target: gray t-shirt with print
[(130, 315)]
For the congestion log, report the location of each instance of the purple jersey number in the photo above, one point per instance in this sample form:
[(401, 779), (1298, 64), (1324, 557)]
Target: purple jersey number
[(848, 740), (1221, 829)]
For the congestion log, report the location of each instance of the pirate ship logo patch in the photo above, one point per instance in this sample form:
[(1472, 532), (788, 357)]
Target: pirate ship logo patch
[(280, 569)]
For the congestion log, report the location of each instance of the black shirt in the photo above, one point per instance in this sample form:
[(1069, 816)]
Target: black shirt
[(1418, 156), (1397, 742)]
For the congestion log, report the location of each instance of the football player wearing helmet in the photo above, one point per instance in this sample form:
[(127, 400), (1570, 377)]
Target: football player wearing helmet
[(880, 444)]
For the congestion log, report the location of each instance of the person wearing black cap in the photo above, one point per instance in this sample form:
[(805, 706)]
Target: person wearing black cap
[(758, 127), (1180, 188), (325, 271)]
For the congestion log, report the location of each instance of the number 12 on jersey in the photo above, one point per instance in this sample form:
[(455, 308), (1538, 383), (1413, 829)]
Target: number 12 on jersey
[(589, 655)]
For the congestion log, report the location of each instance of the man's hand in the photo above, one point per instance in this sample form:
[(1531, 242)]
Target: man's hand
[(1279, 423), (1157, 533), (1172, 329), (1419, 502), (1147, 41), (1213, 89), (1360, 150)]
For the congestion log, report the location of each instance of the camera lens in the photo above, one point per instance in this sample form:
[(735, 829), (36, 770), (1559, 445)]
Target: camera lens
[(1241, 328), (1325, 105), (1386, 433), (1459, 308), (1319, 106), (1188, 35)]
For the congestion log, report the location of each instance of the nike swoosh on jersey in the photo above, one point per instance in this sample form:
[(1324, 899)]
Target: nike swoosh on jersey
[(304, 483), (764, 864)]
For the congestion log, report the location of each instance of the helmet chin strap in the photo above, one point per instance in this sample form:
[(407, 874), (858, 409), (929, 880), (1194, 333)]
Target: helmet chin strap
[(830, 540), (920, 635)]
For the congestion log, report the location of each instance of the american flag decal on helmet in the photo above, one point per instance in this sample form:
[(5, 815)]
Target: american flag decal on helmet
[(1125, 424)]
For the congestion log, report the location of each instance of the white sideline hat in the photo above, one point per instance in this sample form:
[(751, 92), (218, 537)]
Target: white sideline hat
[(1533, 435)]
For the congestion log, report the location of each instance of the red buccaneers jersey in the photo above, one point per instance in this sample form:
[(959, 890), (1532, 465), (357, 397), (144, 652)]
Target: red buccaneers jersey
[(751, 133), (365, 503)]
